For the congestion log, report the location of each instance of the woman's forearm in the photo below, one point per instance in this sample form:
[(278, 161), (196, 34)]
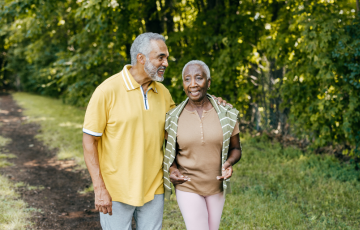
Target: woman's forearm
[(173, 166), (234, 154)]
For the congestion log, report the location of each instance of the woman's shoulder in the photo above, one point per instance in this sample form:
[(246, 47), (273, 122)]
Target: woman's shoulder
[(228, 109), (233, 110), (171, 112)]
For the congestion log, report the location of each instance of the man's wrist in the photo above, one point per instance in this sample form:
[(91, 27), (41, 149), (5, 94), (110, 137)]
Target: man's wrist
[(99, 186)]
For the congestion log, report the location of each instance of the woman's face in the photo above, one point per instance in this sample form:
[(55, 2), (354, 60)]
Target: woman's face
[(195, 82)]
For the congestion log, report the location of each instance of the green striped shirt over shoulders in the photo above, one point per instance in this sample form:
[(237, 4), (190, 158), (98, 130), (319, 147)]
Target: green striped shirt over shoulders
[(227, 116)]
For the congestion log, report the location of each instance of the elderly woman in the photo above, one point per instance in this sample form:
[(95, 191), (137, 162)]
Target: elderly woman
[(202, 146)]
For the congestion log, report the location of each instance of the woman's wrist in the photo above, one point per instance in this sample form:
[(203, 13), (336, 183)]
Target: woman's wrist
[(172, 168), (230, 162)]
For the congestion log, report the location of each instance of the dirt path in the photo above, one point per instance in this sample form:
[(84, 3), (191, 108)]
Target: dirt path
[(61, 205)]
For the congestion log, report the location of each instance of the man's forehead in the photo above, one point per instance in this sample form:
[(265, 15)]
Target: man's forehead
[(159, 47)]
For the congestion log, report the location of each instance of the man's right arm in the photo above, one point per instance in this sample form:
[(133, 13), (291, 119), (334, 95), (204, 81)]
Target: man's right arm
[(103, 201)]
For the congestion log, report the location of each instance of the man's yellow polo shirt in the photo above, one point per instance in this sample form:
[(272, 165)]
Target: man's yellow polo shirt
[(131, 126)]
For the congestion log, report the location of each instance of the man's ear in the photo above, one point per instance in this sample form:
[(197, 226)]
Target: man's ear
[(141, 58), (209, 83)]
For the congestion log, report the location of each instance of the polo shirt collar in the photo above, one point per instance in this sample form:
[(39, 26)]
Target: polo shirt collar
[(130, 83)]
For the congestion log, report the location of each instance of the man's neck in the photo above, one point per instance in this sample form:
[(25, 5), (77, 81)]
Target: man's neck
[(140, 77)]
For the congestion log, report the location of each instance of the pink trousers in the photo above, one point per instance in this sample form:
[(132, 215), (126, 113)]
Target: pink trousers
[(199, 212)]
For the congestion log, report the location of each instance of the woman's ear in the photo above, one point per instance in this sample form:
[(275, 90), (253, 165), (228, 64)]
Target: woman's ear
[(209, 83)]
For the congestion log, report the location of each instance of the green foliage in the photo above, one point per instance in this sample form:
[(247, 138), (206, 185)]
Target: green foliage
[(271, 59), (322, 81)]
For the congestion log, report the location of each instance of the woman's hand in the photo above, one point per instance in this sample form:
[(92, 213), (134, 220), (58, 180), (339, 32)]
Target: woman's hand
[(226, 171), (176, 177)]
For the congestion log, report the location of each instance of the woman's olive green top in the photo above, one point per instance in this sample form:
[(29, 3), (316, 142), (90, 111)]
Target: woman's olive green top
[(228, 119)]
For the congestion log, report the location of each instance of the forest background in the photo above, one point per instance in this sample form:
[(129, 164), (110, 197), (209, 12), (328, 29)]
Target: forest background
[(289, 67)]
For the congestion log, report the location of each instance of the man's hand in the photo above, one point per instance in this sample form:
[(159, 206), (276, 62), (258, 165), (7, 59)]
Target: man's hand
[(176, 177), (226, 172), (103, 201), (221, 101)]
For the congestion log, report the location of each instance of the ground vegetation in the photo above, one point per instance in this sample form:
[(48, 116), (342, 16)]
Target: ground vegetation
[(274, 187), (14, 213)]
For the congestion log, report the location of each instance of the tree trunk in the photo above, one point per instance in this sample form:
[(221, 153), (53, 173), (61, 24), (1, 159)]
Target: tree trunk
[(151, 17), (169, 19), (278, 117)]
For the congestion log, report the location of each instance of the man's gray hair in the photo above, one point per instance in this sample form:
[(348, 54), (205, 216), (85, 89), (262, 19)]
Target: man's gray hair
[(142, 45), (200, 63)]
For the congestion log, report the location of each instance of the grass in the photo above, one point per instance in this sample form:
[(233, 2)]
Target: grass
[(61, 125), (273, 187), (4, 153), (13, 211), (28, 187)]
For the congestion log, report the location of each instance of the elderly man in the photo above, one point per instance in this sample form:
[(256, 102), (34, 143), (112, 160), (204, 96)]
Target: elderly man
[(123, 134)]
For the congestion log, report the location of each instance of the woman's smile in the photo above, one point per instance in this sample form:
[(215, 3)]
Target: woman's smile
[(195, 93)]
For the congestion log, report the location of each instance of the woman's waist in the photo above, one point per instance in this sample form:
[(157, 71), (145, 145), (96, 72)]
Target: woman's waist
[(203, 174)]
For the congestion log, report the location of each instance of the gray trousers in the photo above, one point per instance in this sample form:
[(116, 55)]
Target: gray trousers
[(147, 217)]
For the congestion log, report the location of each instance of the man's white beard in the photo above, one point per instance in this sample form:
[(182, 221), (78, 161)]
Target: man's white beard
[(152, 71)]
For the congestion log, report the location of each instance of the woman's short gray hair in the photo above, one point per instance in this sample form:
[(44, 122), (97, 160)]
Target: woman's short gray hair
[(200, 63), (142, 45)]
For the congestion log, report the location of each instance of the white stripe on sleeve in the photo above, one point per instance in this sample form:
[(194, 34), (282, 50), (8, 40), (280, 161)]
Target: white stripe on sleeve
[(226, 133), (232, 113), (167, 186), (92, 133)]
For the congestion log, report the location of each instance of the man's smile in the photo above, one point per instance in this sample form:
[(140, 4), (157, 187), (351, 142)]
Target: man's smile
[(161, 70)]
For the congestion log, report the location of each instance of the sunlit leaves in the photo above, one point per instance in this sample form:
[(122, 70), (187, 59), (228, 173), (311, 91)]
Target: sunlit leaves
[(64, 49)]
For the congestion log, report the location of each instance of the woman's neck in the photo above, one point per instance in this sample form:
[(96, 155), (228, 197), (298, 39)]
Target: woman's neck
[(199, 104)]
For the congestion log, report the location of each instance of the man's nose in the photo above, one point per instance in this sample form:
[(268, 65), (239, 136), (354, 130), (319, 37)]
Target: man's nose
[(165, 62)]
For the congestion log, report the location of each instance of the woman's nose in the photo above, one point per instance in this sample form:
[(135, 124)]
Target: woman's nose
[(192, 82)]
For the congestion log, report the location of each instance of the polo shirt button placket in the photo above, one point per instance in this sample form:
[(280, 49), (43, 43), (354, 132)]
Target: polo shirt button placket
[(202, 132)]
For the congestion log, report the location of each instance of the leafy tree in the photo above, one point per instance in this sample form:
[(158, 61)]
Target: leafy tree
[(273, 59)]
